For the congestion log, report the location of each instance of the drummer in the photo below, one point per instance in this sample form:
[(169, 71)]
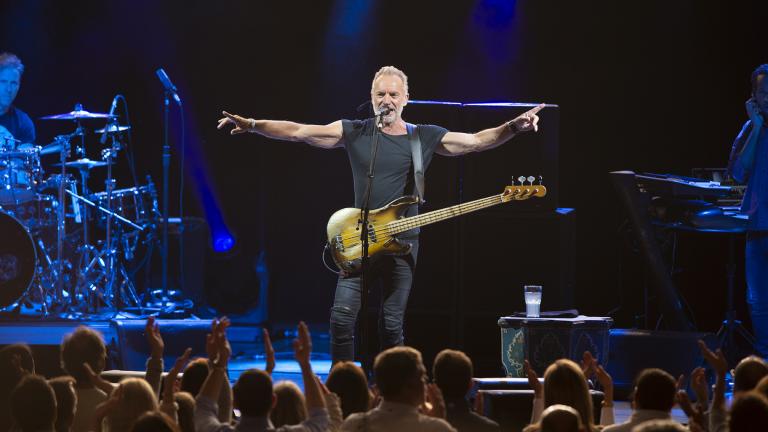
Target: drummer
[(14, 123)]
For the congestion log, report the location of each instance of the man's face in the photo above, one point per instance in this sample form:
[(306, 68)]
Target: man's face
[(761, 94), (389, 91), (10, 79)]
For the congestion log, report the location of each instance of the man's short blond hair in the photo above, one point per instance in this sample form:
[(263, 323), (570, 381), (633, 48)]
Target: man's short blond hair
[(391, 70), (10, 61)]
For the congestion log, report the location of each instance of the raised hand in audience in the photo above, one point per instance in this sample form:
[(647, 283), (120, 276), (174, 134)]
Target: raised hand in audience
[(269, 352), (302, 352), (170, 385), (435, 404), (533, 381), (716, 361), (154, 338), (700, 387), (591, 367), (697, 420), (107, 407), (97, 381)]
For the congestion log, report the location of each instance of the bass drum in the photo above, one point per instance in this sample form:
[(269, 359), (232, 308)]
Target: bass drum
[(18, 259)]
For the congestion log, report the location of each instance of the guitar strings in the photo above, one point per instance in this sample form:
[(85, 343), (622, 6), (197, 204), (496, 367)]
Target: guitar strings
[(398, 226)]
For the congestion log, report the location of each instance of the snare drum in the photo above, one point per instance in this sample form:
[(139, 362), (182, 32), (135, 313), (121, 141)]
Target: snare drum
[(18, 259), (137, 204), (20, 174)]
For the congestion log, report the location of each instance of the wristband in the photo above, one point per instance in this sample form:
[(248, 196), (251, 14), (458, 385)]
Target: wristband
[(513, 127)]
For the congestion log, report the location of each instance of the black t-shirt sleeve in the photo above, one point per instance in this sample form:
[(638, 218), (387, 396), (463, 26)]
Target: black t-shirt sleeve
[(26, 132), (351, 130), (431, 136)]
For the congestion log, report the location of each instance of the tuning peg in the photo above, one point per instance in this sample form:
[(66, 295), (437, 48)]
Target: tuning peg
[(521, 179), (531, 179), (541, 180)]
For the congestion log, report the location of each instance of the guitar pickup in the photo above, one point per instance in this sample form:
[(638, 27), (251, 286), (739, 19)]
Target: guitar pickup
[(371, 234), (339, 243)]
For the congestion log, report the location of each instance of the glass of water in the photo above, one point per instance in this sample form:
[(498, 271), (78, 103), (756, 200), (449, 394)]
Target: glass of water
[(532, 300)]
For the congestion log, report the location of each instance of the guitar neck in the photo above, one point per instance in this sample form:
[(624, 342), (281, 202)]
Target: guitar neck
[(412, 222)]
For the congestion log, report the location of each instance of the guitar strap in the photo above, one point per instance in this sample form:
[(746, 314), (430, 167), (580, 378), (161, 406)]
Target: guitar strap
[(418, 166)]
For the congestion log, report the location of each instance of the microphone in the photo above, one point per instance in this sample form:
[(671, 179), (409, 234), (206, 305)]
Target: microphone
[(168, 85), (111, 120), (384, 110)]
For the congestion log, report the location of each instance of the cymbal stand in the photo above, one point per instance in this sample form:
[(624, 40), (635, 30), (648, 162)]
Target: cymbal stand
[(97, 267), (108, 154), (58, 271)]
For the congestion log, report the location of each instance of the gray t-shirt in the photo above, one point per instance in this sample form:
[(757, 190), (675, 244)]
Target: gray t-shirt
[(393, 173)]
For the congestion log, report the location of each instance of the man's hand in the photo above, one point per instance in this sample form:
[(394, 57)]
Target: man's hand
[(435, 404), (302, 346), (155, 339), (699, 386), (242, 124), (533, 381), (528, 120), (269, 352), (169, 387), (216, 343), (753, 111), (716, 360)]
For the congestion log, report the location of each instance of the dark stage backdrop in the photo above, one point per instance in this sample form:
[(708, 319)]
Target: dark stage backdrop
[(652, 86)]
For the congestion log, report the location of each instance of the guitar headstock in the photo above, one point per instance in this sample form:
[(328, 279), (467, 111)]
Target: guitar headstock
[(526, 189)]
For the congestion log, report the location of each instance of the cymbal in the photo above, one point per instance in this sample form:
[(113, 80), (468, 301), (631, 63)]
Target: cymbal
[(78, 114), (82, 164), (113, 128)]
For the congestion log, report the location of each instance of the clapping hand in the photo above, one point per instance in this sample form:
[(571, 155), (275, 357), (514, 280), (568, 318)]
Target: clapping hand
[(434, 405), (242, 124), (154, 338), (216, 344), (269, 352), (753, 111), (715, 359), (302, 346), (169, 385), (533, 380)]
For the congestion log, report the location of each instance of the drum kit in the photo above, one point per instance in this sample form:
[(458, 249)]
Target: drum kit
[(51, 260)]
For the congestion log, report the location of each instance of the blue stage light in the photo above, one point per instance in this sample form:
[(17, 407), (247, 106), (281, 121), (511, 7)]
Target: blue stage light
[(223, 242)]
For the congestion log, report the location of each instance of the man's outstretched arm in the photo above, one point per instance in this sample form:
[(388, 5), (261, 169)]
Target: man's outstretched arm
[(457, 143), (323, 136)]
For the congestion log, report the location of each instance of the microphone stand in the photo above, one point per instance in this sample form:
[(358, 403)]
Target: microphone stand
[(365, 359), (166, 168)]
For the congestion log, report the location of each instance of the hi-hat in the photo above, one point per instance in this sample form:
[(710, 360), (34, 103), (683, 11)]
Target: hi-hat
[(77, 114), (113, 128), (83, 164)]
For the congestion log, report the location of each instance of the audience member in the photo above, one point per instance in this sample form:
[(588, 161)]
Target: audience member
[(154, 421), (186, 411), (560, 418), (66, 401), (33, 405), (132, 398), (654, 397), (290, 407), (452, 372), (348, 381), (400, 380), (252, 393), (660, 426), (16, 361), (747, 373), (749, 413), (84, 347), (566, 384)]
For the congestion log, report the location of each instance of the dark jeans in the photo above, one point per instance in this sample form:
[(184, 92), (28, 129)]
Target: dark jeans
[(394, 276), (756, 262)]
